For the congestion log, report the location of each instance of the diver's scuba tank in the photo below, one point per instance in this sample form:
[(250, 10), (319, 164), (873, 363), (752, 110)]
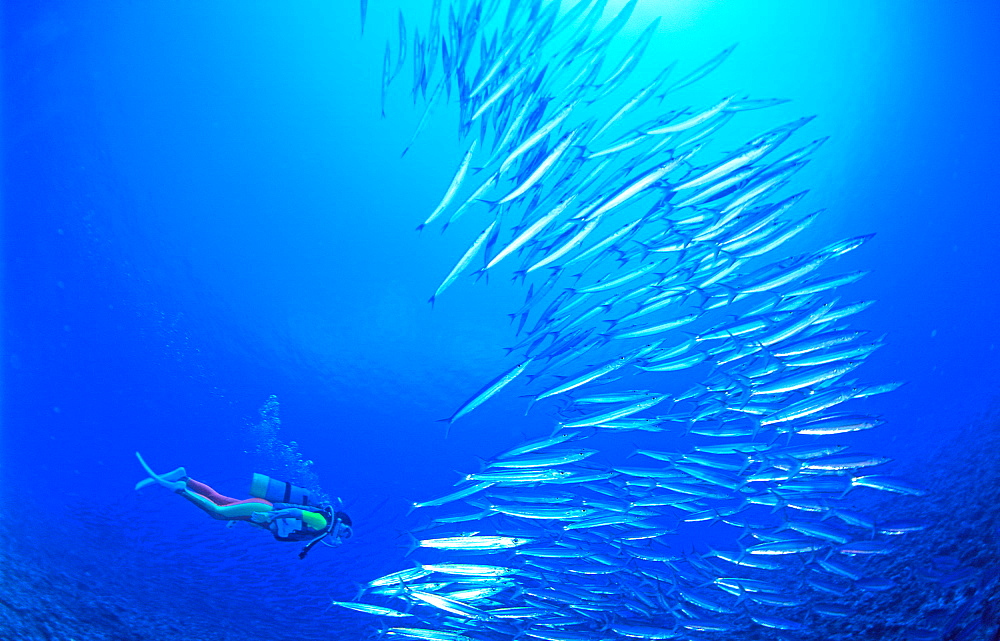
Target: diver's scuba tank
[(275, 491)]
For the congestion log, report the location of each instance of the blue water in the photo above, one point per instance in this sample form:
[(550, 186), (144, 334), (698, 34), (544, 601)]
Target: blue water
[(204, 209)]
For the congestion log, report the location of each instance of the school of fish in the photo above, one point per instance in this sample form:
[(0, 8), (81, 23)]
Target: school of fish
[(650, 259)]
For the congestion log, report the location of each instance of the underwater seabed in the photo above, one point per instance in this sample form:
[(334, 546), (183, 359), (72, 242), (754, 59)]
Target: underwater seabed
[(92, 580), (143, 566), (947, 577)]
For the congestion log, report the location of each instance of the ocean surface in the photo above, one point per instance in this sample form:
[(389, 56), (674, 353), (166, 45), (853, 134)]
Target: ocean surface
[(210, 257)]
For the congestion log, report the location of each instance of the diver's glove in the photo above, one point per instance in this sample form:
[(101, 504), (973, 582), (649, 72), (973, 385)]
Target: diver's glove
[(261, 518)]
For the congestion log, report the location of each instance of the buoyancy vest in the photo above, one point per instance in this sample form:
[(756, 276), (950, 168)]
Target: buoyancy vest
[(293, 522)]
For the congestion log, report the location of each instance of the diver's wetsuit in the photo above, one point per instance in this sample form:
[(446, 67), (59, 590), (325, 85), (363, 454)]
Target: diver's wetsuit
[(221, 503), (226, 508)]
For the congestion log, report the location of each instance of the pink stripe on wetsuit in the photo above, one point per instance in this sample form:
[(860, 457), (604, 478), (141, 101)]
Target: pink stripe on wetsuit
[(217, 498)]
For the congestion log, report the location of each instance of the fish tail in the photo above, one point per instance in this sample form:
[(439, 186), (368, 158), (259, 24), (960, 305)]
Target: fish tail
[(447, 427), (414, 544), (731, 292), (646, 249), (492, 204)]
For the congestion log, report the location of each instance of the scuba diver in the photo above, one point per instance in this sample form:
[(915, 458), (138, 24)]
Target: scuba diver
[(280, 507)]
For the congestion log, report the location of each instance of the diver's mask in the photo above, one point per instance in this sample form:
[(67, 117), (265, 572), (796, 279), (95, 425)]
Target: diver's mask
[(340, 533), (339, 530)]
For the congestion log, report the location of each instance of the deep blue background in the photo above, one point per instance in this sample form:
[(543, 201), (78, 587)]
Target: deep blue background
[(202, 208)]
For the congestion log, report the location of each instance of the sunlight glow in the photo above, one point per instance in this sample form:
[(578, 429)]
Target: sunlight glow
[(677, 14)]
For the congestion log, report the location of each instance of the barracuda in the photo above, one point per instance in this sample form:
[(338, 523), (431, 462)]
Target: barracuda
[(466, 569), (487, 392), (806, 379), (541, 444), (543, 167), (786, 547), (530, 232), (475, 542), (597, 420), (561, 457), (601, 371), (456, 182), (529, 476), (545, 513), (463, 262), (427, 634), (370, 609)]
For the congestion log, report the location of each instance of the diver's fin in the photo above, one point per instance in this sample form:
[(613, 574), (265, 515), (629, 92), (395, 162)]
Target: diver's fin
[(176, 475), (174, 480)]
